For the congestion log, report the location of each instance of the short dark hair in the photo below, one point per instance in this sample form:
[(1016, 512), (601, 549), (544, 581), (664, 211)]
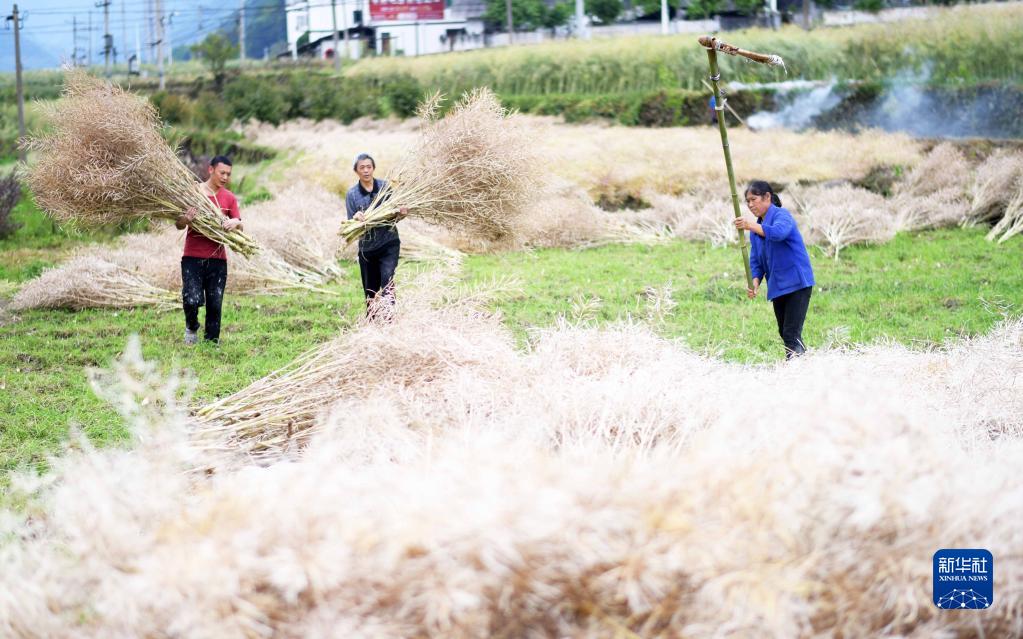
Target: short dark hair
[(759, 187), (220, 159), (363, 156)]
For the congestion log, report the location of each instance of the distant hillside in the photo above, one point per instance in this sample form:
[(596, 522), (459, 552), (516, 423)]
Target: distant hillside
[(265, 29), (33, 55)]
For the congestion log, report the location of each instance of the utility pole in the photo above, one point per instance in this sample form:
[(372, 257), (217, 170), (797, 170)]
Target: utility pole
[(344, 25), (74, 41), (170, 38), (806, 14), (17, 73), (125, 47), (159, 44), (580, 21), (241, 31), (337, 51), (151, 13), (511, 24), (108, 39), (198, 29), (88, 58), (664, 17)]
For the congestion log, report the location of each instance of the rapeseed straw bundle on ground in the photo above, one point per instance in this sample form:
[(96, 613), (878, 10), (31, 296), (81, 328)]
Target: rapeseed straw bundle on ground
[(471, 171), (104, 161), (603, 483), (273, 414), (267, 271), (298, 225), (155, 257), (934, 193), (421, 243), (1011, 222), (702, 216), (144, 269), (994, 184), (834, 217), (90, 282)]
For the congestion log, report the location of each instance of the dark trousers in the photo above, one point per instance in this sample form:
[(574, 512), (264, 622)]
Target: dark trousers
[(203, 282), (377, 266), (790, 311)]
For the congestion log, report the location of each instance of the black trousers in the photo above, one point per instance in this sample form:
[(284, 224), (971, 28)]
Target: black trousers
[(377, 266), (203, 282), (790, 311)]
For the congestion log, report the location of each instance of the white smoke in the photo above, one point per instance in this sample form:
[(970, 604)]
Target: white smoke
[(799, 113)]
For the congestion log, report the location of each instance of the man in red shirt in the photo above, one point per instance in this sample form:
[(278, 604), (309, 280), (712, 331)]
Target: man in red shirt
[(204, 262)]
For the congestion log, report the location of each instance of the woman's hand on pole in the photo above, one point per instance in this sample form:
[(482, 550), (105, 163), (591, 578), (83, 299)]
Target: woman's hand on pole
[(748, 223), (752, 292)]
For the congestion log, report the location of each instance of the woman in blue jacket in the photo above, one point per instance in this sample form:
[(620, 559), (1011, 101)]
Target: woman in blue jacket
[(778, 256)]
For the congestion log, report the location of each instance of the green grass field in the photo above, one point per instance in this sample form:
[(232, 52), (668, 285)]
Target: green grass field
[(919, 290)]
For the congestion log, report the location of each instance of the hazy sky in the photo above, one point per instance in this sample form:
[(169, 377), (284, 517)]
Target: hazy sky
[(49, 25)]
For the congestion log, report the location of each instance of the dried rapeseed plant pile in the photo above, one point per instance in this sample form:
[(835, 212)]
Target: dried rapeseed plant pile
[(103, 161), (602, 483), (90, 282), (471, 171)]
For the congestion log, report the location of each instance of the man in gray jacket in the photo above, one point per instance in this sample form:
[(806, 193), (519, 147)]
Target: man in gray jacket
[(379, 247)]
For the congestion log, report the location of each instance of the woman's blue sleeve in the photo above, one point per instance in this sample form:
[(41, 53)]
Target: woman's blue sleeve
[(780, 228)]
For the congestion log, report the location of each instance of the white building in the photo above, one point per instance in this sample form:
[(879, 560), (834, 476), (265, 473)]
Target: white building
[(384, 27)]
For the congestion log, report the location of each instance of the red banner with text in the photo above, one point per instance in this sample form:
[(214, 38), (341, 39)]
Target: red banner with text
[(383, 10)]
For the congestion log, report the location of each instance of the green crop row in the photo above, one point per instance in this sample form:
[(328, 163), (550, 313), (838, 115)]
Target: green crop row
[(961, 45)]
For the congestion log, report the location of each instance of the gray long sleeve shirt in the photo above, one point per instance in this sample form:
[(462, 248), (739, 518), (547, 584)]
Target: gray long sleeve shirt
[(359, 199)]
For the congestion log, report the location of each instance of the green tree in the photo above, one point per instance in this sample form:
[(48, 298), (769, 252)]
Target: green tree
[(265, 26), (607, 11), (215, 51), (749, 7), (649, 7), (871, 6), (700, 9), (526, 14), (558, 15)]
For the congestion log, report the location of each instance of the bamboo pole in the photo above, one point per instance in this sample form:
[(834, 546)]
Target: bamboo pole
[(730, 109), (719, 106), (713, 45)]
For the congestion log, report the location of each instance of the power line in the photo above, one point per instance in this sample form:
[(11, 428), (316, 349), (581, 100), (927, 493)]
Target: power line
[(225, 16), (193, 11)]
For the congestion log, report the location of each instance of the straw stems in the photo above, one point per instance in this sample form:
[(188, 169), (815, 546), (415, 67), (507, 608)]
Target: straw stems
[(103, 160), (90, 282), (269, 270), (992, 185), (269, 414), (472, 171), (1011, 222)]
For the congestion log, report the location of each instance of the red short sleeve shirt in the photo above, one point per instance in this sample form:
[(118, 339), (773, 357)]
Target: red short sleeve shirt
[(197, 244)]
